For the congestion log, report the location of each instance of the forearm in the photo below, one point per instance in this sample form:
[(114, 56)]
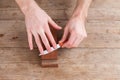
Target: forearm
[(81, 8), (26, 5)]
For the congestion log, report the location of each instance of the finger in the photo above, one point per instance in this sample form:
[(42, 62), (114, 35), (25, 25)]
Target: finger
[(30, 39), (54, 25), (77, 42), (65, 35), (70, 41), (38, 42), (45, 40), (51, 39)]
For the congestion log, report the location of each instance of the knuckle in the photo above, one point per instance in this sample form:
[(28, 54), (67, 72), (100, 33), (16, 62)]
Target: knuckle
[(46, 26), (40, 31)]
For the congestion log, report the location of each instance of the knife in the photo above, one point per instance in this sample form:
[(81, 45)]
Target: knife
[(52, 49)]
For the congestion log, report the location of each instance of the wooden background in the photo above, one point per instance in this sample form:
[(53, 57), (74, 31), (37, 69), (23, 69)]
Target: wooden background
[(97, 58)]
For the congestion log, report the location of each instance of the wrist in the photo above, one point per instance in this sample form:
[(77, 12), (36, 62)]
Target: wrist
[(80, 14), (26, 5)]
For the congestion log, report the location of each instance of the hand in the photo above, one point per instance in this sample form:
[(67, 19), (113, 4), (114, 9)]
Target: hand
[(75, 29), (37, 24)]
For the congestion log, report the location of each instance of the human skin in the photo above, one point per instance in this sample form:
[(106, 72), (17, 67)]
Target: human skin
[(75, 27), (37, 24)]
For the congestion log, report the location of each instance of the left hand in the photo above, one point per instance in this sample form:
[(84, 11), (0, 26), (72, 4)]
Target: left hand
[(76, 31)]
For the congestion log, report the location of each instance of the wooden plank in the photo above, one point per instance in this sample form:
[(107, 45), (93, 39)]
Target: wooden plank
[(66, 56), (46, 4), (62, 4), (108, 72), (106, 4), (86, 62), (103, 14), (49, 64), (13, 13), (99, 53), (100, 34), (19, 55)]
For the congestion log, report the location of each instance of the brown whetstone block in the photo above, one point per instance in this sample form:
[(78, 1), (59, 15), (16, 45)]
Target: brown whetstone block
[(47, 60), (52, 56), (49, 63)]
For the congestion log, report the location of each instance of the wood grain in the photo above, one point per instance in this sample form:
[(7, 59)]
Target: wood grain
[(63, 4), (66, 56), (102, 14), (20, 63), (97, 57), (100, 34)]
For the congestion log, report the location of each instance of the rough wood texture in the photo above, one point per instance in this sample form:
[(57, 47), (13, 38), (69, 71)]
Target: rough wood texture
[(101, 34), (61, 14), (97, 57)]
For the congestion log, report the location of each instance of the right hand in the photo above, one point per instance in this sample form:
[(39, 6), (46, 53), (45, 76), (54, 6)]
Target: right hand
[(37, 24)]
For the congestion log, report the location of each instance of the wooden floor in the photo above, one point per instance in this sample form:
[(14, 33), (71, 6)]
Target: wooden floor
[(97, 58)]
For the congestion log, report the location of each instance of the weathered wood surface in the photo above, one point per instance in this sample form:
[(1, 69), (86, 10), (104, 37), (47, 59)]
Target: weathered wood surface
[(63, 4), (66, 56), (100, 34), (101, 14), (93, 64), (97, 57)]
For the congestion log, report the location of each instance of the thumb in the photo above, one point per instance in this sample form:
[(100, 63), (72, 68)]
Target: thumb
[(64, 36), (54, 25)]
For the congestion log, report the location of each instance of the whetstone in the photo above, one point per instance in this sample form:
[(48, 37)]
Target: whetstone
[(50, 60)]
